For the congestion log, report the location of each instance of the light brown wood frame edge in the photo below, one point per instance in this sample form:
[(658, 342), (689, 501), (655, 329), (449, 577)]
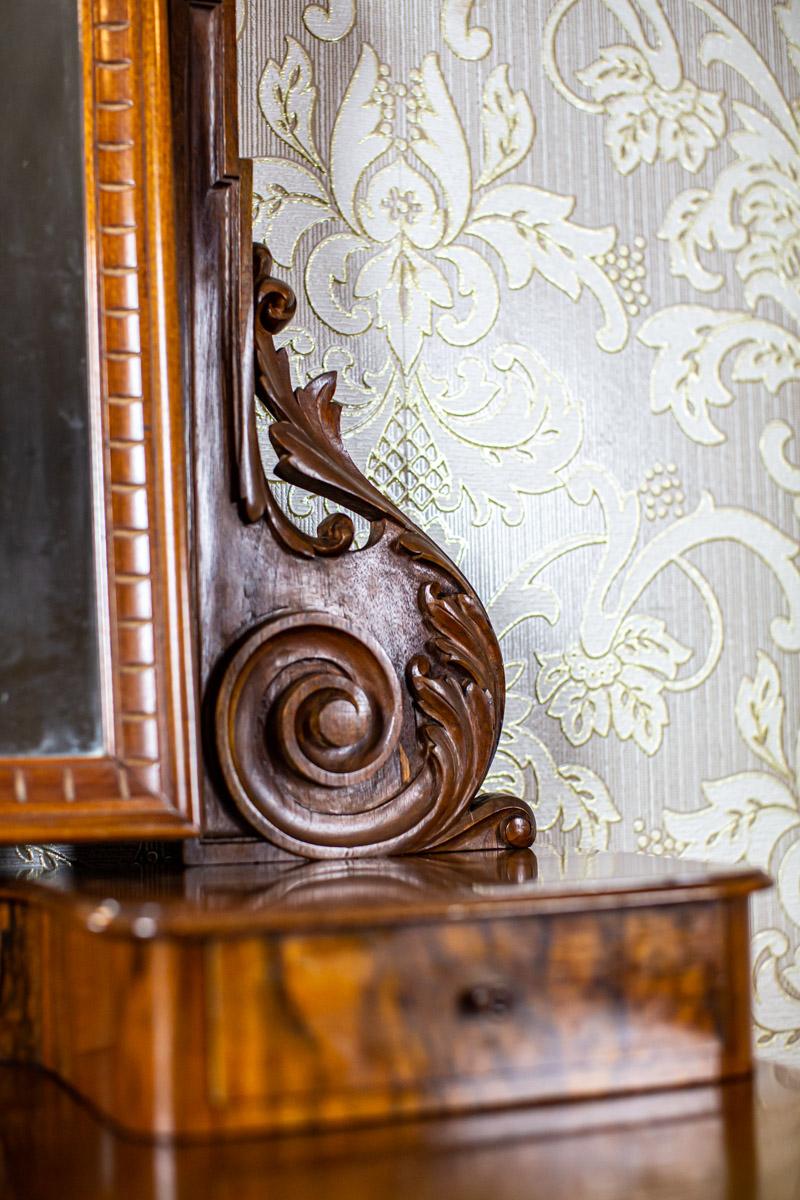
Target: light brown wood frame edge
[(144, 784)]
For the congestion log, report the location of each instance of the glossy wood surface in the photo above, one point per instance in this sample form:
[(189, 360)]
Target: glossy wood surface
[(221, 1001), (345, 894), (734, 1142), (144, 781)]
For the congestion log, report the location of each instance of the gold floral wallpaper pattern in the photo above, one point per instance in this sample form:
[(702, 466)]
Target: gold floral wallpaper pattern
[(552, 247)]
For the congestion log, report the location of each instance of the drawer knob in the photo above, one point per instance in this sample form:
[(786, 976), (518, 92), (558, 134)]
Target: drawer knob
[(486, 999)]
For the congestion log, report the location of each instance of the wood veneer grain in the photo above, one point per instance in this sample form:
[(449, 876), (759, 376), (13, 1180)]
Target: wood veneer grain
[(228, 1008)]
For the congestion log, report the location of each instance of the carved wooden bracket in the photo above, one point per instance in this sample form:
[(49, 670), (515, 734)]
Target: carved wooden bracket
[(352, 697), (328, 744)]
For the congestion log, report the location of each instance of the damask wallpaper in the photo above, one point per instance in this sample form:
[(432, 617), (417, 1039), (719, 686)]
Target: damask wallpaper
[(552, 248)]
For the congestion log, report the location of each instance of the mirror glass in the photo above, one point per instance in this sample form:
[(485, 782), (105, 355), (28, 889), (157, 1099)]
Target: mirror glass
[(49, 654)]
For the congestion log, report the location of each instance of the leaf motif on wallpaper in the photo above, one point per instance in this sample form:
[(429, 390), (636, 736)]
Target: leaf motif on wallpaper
[(476, 283), (759, 715), (751, 212), (728, 46), (746, 815), (692, 224), (614, 676), (399, 190), (507, 126), (693, 342), (789, 19), (531, 231), (744, 818), (469, 43), (571, 798), (362, 131), (619, 71), (772, 446), (287, 97), (288, 200), (652, 111), (437, 138), (776, 988), (330, 24), (644, 124), (620, 690), (328, 271)]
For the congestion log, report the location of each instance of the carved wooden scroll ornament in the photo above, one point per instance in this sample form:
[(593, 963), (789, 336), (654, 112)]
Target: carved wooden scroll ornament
[(366, 725)]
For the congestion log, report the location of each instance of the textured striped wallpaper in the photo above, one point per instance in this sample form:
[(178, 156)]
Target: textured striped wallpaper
[(553, 250)]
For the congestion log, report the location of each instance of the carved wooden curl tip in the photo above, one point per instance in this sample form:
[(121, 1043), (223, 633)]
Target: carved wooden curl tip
[(492, 821), (275, 302), (519, 832)]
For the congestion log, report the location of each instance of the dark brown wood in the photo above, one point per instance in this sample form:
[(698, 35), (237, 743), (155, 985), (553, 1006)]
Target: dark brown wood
[(316, 743), (144, 783), (353, 697), (217, 1001), (215, 310)]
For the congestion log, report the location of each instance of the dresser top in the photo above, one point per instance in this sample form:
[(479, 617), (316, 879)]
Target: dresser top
[(349, 893)]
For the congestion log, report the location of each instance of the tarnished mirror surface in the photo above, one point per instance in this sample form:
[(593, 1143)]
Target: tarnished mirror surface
[(49, 662)]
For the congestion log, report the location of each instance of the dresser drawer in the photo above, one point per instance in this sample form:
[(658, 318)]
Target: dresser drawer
[(239, 1001), (452, 1015)]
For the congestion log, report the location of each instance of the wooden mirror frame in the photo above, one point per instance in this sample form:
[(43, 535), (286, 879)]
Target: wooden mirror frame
[(143, 783)]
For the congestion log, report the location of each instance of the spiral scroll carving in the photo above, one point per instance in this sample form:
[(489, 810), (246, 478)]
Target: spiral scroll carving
[(366, 734), (308, 709)]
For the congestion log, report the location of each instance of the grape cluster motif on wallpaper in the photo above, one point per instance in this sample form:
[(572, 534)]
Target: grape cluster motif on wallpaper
[(546, 246)]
